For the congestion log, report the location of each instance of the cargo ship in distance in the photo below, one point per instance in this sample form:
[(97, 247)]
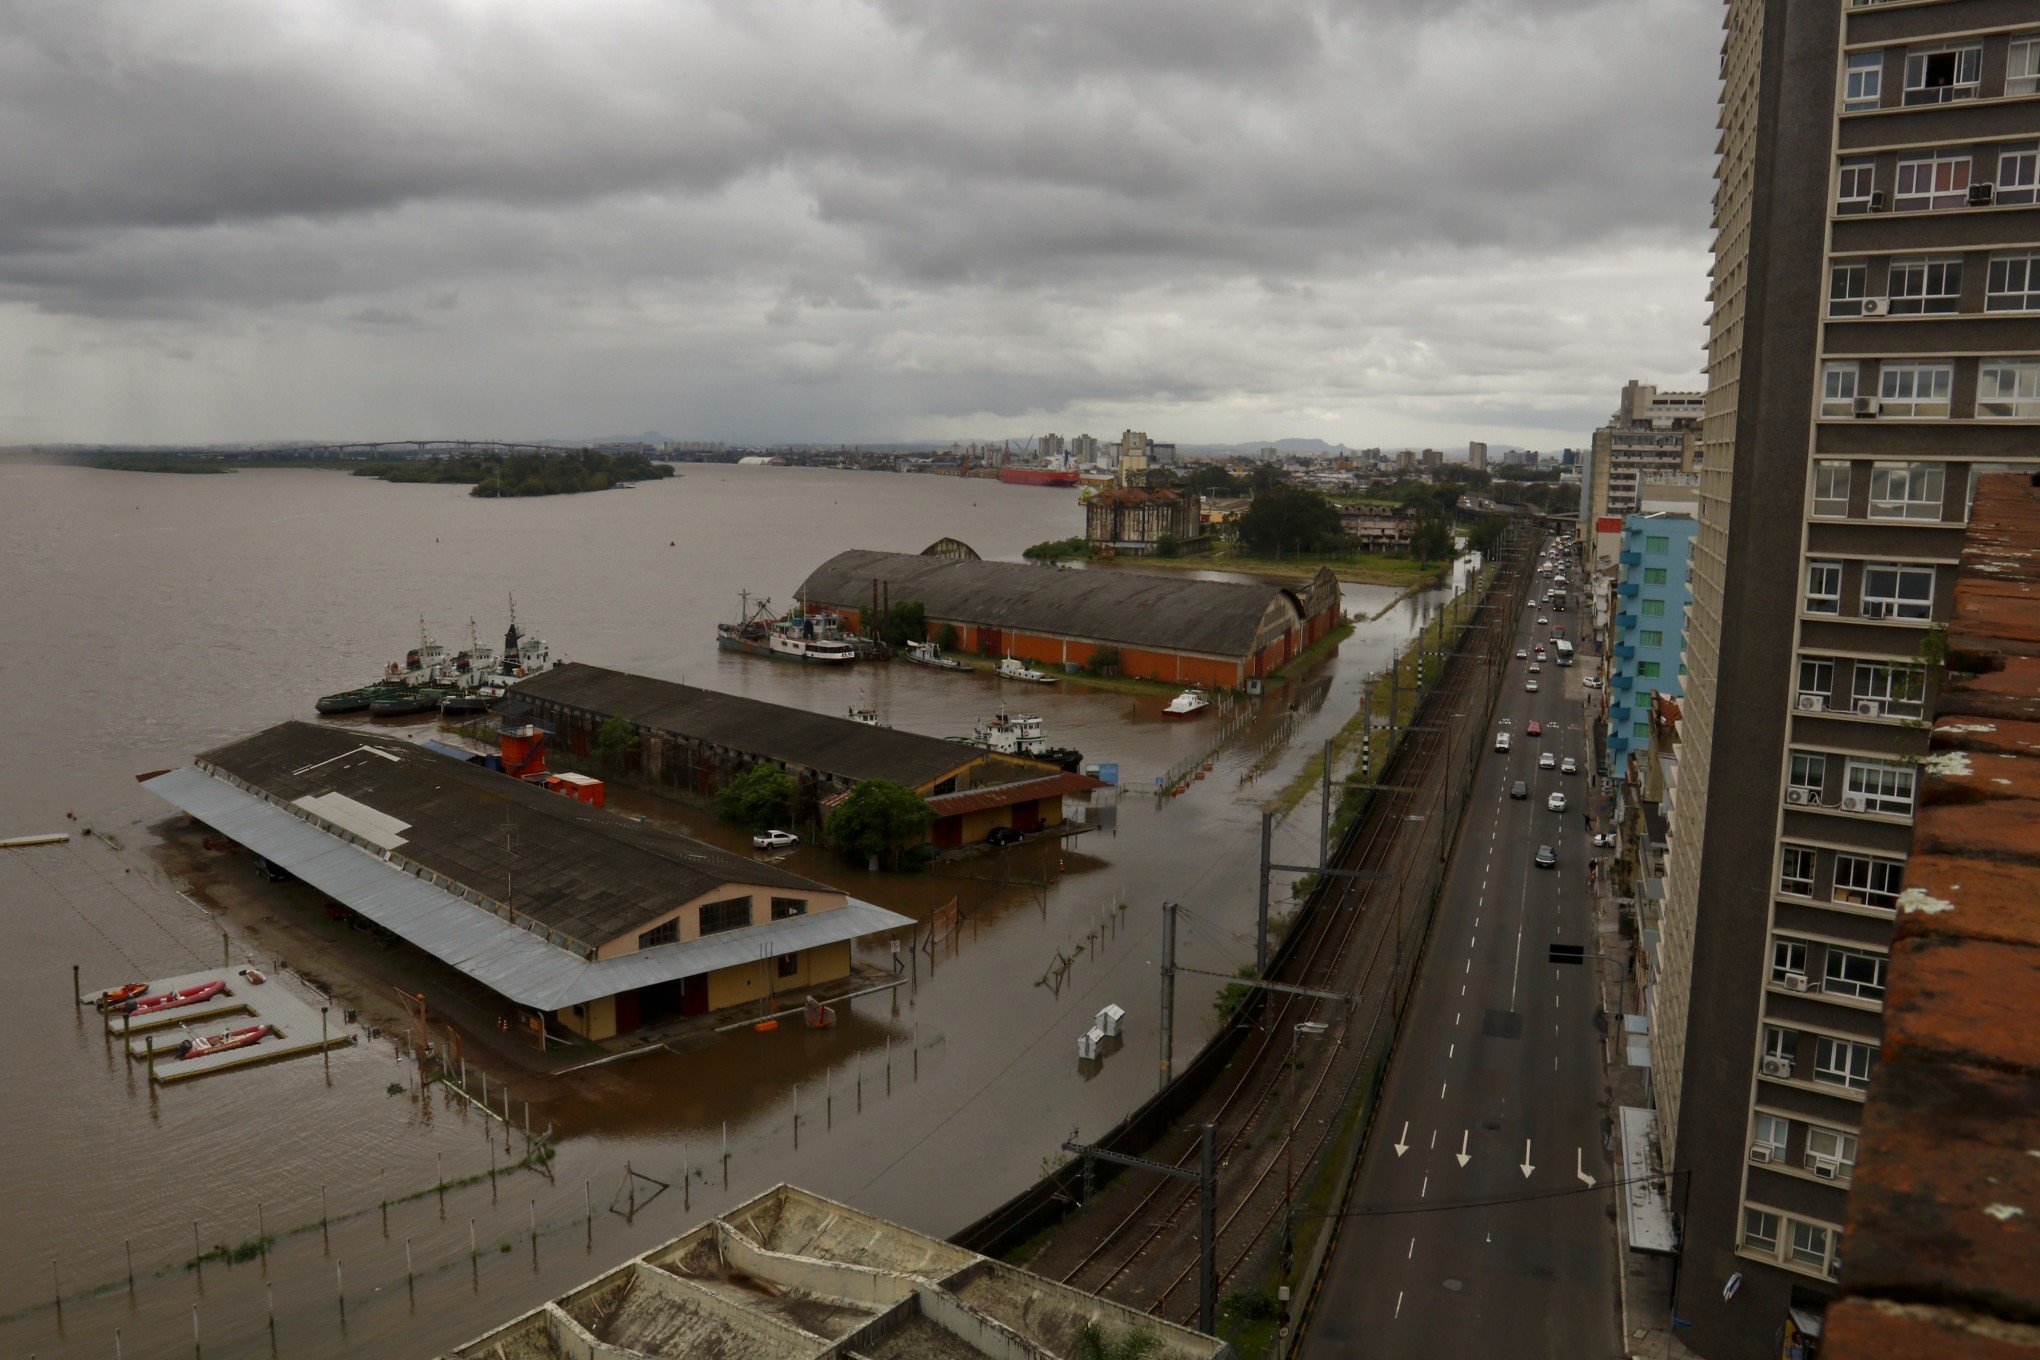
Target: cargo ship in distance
[(1038, 476)]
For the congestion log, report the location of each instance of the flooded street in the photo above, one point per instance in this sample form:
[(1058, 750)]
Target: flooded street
[(152, 617)]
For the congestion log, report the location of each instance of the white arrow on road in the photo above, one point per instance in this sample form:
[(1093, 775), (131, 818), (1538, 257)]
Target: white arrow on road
[(1526, 1168), (1402, 1143), (1580, 1167), (1461, 1154)]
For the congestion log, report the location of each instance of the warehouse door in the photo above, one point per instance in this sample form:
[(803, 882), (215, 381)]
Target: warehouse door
[(1026, 817), (626, 1012)]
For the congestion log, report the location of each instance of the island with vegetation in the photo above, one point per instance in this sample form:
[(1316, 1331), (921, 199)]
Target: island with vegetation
[(524, 474)]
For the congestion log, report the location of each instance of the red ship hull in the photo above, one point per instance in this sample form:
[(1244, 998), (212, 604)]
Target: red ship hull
[(1026, 476)]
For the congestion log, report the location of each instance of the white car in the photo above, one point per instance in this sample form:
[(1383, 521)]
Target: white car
[(775, 840), (1568, 766), (1501, 741), (1542, 621), (1556, 802), (1521, 653), (1592, 682), (1536, 669), (1547, 761), (1529, 686)]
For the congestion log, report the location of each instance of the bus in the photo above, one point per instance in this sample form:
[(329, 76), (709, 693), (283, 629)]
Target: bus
[(1563, 650)]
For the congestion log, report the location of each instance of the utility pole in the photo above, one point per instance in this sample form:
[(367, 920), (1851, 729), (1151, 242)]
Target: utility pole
[(1168, 990), (1206, 1177), (1324, 834), (1261, 911)]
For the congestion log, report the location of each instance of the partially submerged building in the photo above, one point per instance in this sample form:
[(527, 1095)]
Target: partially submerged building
[(793, 1276), (587, 922), (697, 740), (1167, 627)]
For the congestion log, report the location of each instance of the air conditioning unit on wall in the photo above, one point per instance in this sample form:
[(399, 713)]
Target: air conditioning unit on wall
[(1851, 803), (1760, 1152), (1866, 406), (1796, 797), (1876, 306), (1869, 708), (1776, 1067), (1795, 982), (1812, 703), (1827, 1168)]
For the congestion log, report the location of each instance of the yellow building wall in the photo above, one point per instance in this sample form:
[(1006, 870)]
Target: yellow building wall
[(596, 1021), (757, 981)]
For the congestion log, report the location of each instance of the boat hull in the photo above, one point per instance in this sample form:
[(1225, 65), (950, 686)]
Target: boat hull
[(1026, 476), (404, 705)]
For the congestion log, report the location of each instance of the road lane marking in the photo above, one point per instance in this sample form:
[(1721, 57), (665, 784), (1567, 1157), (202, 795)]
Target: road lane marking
[(1402, 1142), (1580, 1167), (1434, 1138), (1425, 1188), (1450, 1049), (1411, 1253), (1398, 1302), (1441, 1090)]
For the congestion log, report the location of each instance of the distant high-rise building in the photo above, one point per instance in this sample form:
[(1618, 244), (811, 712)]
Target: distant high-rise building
[(1651, 433), (1875, 320), (1476, 453), (1433, 458), (1649, 633), (1406, 460)]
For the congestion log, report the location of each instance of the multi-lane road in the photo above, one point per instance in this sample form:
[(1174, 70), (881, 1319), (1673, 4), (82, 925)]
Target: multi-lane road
[(1480, 1222)]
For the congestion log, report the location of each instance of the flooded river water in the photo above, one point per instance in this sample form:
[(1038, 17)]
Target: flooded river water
[(147, 618)]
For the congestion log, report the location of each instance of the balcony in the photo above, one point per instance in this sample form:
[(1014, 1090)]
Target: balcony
[(1629, 590), (1631, 559), (1624, 681), (1624, 622), (1617, 742), (1625, 651)]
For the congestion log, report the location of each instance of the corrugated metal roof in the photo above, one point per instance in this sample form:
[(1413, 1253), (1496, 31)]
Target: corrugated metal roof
[(792, 736), (1005, 795), (1176, 613), (504, 957), (580, 870)]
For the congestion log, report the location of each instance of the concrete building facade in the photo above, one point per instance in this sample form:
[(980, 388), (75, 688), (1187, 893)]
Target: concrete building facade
[(1133, 520), (1648, 632), (1651, 436), (1875, 317)]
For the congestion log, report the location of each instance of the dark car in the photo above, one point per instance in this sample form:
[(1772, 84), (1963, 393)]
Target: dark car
[(1002, 835), (1519, 789), (1546, 858)]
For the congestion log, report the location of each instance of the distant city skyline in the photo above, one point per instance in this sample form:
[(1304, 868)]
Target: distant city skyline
[(891, 220)]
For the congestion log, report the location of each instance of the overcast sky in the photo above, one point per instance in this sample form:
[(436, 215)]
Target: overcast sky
[(1369, 221)]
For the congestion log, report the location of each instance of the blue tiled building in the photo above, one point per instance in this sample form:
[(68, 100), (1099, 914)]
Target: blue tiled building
[(1648, 634)]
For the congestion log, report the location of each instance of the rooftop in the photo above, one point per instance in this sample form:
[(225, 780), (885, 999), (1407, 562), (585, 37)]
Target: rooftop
[(793, 1276), (589, 873), (1943, 1253), (1139, 609), (840, 747)]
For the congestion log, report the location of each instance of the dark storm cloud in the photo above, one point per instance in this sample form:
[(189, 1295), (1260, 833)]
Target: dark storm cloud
[(829, 192)]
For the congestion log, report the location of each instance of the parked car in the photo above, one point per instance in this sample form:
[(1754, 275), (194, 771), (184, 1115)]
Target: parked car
[(1501, 741), (1547, 761), (1519, 789), (1568, 766), (1592, 682), (775, 840), (1546, 857), (1002, 835), (1556, 802)]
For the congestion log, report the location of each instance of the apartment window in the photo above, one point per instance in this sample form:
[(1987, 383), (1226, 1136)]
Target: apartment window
[(1648, 670), (1896, 691), (1907, 490), (1848, 284), (1937, 181), (789, 965), (1816, 680), (1760, 1230), (1865, 882), (1830, 488), (1640, 732), (1788, 959), (783, 907), (732, 913), (1772, 1131), (2012, 284), (1943, 75), (1854, 185), (1853, 972), (1650, 637), (1808, 774), (1881, 785), (1654, 576), (2008, 389), (1838, 388), (1832, 1146), (1795, 870), (1925, 287), (1864, 81), (1657, 543), (668, 933), (2018, 173), (1838, 1062), (1891, 591), (2022, 67), (1919, 390), (1809, 1244), (1781, 1045), (1823, 587), (1653, 609)]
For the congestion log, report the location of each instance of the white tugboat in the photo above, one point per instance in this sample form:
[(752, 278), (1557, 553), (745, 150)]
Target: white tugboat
[(1190, 701), (1014, 669), (928, 654), (1021, 734), (816, 638)]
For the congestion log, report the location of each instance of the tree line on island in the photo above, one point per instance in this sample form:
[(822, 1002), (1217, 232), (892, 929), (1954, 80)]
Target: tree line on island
[(492, 475)]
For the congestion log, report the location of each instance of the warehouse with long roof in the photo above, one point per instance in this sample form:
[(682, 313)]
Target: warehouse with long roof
[(1174, 628)]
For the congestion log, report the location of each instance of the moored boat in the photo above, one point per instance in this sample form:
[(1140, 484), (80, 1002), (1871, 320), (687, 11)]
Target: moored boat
[(1013, 669), (413, 699), (114, 996), (928, 654), (1190, 701), (1021, 734), (166, 1001), (227, 1039)]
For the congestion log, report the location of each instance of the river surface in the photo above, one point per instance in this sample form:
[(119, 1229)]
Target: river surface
[(149, 617)]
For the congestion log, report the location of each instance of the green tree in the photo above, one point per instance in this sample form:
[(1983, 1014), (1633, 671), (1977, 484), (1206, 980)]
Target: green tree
[(1104, 661), (615, 742), (1287, 519), (906, 622), (1210, 479), (1168, 545), (1486, 535), (878, 819), (1431, 540), (947, 638), (760, 797), (1093, 1344)]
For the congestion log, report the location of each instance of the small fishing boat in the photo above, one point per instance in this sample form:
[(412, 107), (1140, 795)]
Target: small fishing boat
[(1013, 669), (867, 716), (1190, 701), (186, 996), (415, 699), (928, 654), (115, 996), (226, 1039)]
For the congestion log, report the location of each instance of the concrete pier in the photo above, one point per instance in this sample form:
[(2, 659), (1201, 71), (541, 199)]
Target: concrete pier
[(294, 1026)]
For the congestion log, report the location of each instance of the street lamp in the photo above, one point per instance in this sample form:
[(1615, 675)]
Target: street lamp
[(1305, 1029)]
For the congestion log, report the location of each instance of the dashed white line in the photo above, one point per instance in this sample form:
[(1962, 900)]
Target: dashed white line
[(1449, 1048), (1434, 1138), (1411, 1253), (1425, 1188), (1442, 1085), (1398, 1303)]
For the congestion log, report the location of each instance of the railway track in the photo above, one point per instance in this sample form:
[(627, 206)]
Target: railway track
[(1146, 1256)]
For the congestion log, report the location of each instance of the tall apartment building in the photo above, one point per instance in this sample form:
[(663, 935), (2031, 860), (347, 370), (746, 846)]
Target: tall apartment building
[(1874, 343), (1476, 454), (1652, 437), (1649, 628)]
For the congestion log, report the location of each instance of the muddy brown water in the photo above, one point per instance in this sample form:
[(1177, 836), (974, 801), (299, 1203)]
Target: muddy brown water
[(149, 617)]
